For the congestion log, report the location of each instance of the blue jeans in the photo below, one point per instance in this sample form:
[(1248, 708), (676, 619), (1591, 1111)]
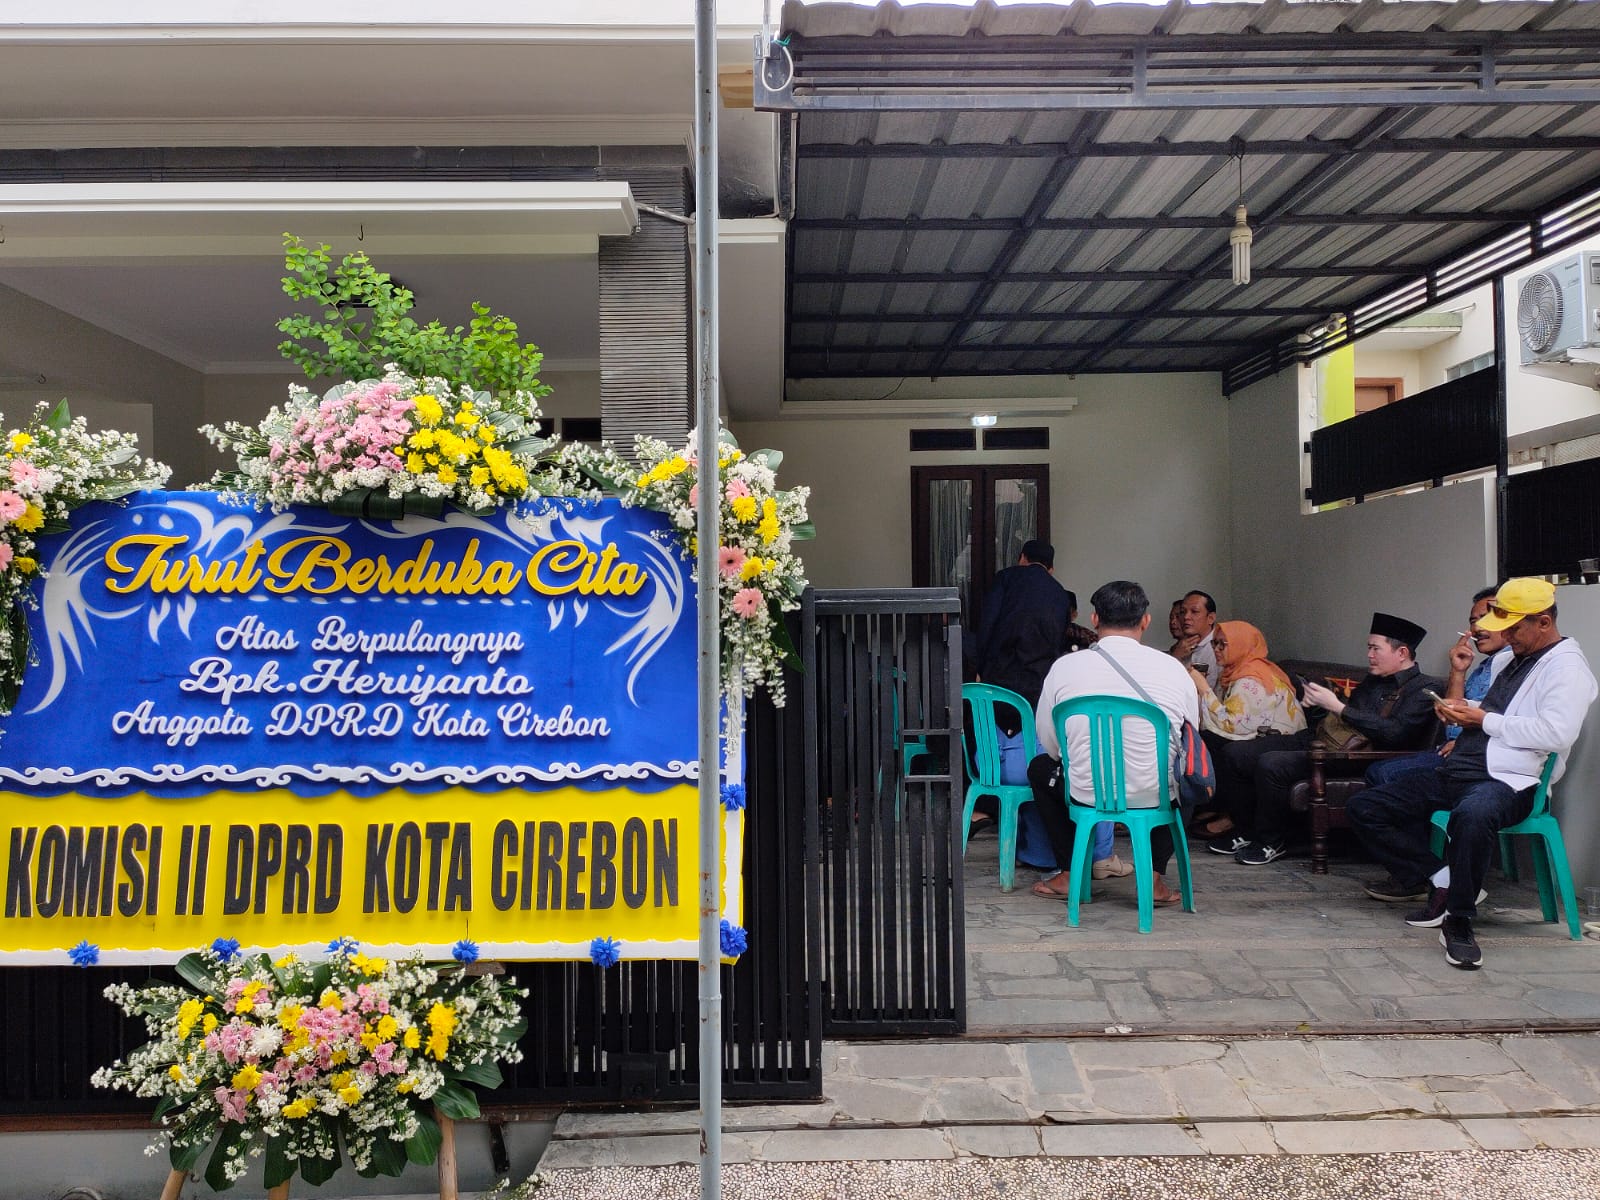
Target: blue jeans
[(1394, 823), (1387, 770)]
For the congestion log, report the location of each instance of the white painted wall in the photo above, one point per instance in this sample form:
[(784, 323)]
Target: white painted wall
[(1139, 484), (1311, 581), (110, 381)]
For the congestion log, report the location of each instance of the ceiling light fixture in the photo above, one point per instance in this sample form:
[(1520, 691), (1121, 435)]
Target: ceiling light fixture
[(1240, 236), (984, 420)]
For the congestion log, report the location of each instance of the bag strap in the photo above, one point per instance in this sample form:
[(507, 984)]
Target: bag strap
[(1121, 670)]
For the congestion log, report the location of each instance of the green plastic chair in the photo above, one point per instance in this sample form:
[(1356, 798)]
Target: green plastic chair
[(984, 769), (1107, 768), (1549, 859)]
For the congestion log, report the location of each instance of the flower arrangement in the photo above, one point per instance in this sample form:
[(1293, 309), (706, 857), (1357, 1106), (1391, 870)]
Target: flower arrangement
[(49, 467), (381, 447), (759, 576), (293, 1060)]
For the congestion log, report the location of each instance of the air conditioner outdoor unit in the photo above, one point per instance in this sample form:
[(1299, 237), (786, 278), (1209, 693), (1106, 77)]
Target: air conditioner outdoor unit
[(1558, 319)]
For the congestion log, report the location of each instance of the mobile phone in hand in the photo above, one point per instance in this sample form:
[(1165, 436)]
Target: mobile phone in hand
[(1433, 695)]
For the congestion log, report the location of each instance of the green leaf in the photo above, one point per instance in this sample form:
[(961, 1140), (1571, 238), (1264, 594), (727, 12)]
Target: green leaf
[(59, 417), (278, 1165), (232, 1135), (319, 1170), (781, 640), (485, 1074), (388, 1156), (422, 1147), (804, 531), (163, 1106), (512, 1034), (184, 1155), (456, 1102), (192, 970)]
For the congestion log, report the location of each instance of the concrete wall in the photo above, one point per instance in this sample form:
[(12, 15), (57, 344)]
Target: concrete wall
[(1312, 580), (105, 378), (1139, 486)]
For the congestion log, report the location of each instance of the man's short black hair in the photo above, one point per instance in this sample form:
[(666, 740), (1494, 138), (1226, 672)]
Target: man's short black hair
[(1211, 605), (1487, 593), (1120, 604)]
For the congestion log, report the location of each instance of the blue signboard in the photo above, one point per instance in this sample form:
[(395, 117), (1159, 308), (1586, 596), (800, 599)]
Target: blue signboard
[(188, 645)]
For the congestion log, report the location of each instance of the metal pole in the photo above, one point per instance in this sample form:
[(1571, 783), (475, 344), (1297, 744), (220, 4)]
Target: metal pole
[(706, 534)]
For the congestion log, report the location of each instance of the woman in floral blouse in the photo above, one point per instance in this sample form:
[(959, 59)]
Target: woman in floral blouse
[(1253, 696)]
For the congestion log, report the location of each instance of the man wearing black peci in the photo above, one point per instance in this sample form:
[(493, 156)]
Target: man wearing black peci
[(1389, 708)]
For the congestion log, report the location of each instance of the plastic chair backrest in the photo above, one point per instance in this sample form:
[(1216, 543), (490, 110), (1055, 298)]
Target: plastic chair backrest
[(1107, 760), (983, 697), (1541, 797)]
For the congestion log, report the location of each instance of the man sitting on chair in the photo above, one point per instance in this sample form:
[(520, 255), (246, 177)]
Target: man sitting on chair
[(1538, 695), (1121, 614)]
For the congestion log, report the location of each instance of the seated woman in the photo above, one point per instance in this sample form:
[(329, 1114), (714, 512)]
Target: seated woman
[(1256, 699)]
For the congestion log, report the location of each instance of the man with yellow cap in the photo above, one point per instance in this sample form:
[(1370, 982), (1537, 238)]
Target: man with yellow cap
[(1540, 688)]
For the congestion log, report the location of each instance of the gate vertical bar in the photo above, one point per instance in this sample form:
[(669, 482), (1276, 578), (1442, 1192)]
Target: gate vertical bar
[(706, 533)]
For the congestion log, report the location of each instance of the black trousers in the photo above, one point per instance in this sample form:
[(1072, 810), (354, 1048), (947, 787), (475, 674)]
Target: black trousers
[(1394, 824), (1254, 779), (1050, 798)]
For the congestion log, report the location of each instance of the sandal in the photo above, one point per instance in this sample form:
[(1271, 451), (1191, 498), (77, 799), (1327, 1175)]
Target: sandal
[(1043, 888)]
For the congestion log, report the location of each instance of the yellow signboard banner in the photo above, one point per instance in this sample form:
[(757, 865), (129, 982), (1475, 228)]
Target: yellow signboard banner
[(525, 875)]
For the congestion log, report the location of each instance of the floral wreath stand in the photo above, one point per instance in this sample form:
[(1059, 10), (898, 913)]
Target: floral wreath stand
[(448, 1188)]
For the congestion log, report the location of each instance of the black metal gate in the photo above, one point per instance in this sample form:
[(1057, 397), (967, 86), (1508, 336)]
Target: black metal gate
[(852, 882), (885, 671)]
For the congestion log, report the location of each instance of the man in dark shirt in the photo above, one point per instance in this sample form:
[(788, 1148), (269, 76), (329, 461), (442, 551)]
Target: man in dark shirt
[(1024, 624), (1540, 688), (1388, 707)]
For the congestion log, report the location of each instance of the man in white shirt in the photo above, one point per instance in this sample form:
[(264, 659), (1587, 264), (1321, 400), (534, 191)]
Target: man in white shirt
[(1194, 648), (1121, 614)]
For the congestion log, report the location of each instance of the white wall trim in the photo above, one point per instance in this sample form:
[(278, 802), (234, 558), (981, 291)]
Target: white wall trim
[(942, 408), (611, 130)]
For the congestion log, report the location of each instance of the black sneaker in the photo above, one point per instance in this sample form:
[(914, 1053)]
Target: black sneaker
[(1392, 891), (1259, 854), (1227, 843), (1432, 915), (1460, 947)]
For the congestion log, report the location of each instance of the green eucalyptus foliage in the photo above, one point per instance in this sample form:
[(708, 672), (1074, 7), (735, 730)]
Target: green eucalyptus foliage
[(360, 322)]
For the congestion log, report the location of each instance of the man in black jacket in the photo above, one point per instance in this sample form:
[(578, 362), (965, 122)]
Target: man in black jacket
[(1388, 708), (1025, 620)]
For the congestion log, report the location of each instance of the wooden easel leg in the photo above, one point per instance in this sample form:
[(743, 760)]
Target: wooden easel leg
[(447, 1157), (174, 1185)]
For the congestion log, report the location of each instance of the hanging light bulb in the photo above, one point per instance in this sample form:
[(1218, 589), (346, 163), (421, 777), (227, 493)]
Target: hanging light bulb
[(1240, 236)]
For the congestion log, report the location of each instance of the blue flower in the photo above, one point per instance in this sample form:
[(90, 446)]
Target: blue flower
[(465, 951), (344, 945), (84, 954), (227, 949), (733, 796), (735, 941), (605, 952)]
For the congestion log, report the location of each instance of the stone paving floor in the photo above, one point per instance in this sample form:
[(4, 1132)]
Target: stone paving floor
[(1271, 948)]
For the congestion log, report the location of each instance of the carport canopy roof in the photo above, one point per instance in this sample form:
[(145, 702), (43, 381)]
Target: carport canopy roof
[(1043, 189)]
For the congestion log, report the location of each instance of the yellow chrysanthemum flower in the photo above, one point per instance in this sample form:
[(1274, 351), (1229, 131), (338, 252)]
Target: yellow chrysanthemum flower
[(769, 507), (25, 564), (188, 1013), (288, 960), (429, 410), (20, 442), (479, 476), (487, 433), (296, 1109), (769, 529), (676, 465), (175, 1073), (330, 999), (387, 1027), (752, 567), (339, 1056), (414, 463), (405, 1085), (31, 518), (342, 1079), (247, 998), (423, 439), (442, 1022), (246, 1078), (447, 474), (350, 1095), (744, 507), (411, 1039), (208, 1022), (289, 1015), (369, 1041)]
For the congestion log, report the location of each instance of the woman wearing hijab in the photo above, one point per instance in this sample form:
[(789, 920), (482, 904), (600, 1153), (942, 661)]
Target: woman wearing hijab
[(1253, 698)]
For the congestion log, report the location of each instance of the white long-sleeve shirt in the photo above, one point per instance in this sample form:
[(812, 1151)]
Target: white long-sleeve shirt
[(1545, 715)]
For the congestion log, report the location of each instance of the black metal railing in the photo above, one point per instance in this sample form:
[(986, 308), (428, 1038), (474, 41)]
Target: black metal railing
[(887, 674), (1552, 521), (1447, 430)]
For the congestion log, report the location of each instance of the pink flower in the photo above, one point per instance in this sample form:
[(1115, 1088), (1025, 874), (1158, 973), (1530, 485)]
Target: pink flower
[(729, 560), (694, 496), (24, 472), (737, 488), (6, 554), (12, 506), (232, 1103), (747, 603)]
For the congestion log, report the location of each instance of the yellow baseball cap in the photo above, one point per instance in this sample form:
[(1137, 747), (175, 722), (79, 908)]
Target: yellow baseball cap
[(1517, 598)]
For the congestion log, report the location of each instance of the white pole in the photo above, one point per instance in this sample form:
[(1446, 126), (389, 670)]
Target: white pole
[(706, 535)]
